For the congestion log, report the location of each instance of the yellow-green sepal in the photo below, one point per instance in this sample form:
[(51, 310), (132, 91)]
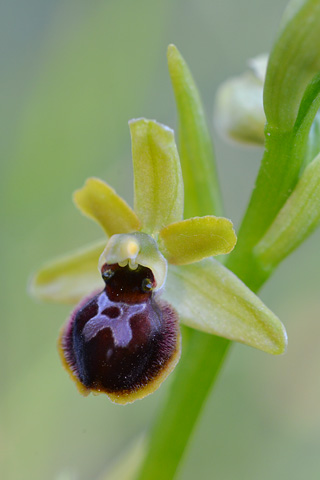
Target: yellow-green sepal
[(297, 219), (158, 184), (69, 278), (210, 298), (191, 240), (97, 200)]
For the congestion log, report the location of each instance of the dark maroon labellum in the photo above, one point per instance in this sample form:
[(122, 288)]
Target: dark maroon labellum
[(123, 341)]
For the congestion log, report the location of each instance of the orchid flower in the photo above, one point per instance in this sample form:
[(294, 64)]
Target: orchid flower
[(154, 269)]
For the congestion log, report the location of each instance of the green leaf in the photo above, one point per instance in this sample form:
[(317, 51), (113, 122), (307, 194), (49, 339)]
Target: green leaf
[(296, 220), (309, 106), (293, 62), (212, 299), (195, 146), (99, 201), (158, 184), (192, 240), (69, 278)]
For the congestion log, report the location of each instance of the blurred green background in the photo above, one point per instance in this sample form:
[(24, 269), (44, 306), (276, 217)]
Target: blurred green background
[(73, 74)]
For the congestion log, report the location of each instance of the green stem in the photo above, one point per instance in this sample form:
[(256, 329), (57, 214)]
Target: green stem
[(202, 359), (198, 368)]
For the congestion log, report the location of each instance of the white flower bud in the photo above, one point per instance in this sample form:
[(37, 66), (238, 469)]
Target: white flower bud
[(238, 112)]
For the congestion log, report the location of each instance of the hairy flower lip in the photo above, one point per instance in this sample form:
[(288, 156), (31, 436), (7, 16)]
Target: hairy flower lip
[(123, 347)]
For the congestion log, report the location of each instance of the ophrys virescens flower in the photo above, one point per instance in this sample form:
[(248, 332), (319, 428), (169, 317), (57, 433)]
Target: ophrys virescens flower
[(154, 269)]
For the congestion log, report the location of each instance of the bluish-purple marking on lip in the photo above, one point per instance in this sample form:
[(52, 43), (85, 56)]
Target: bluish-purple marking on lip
[(119, 326)]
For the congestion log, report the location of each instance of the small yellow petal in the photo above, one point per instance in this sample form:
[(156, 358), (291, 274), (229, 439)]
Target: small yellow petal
[(192, 240), (99, 201)]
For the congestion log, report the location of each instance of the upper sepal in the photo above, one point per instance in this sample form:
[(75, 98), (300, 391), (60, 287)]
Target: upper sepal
[(158, 184)]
